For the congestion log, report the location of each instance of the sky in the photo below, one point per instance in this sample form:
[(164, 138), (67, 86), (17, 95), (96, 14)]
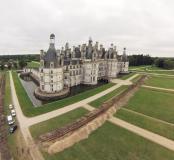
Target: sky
[(142, 26)]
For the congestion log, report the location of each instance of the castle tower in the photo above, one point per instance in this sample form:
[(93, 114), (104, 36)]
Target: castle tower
[(125, 62)]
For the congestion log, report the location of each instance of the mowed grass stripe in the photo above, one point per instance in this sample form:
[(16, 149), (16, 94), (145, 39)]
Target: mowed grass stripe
[(162, 82), (98, 102), (150, 124), (29, 110), (7, 97), (154, 103), (57, 122), (111, 142)]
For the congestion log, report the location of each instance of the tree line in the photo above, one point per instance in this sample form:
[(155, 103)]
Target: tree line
[(138, 60), (20, 61), (17, 61)]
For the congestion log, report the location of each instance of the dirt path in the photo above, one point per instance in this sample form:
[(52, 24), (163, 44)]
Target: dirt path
[(167, 143), (33, 149), (158, 88)]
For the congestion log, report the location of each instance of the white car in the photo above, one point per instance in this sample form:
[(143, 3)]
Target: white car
[(10, 106), (10, 120), (13, 113)]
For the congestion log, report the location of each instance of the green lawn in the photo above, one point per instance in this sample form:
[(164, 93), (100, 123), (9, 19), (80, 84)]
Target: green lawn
[(111, 142), (151, 69), (154, 103), (56, 122), (33, 64), (159, 81), (98, 102), (150, 124), (29, 110), (7, 98)]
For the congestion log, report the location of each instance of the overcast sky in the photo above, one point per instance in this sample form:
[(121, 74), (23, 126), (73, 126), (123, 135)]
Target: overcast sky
[(143, 26)]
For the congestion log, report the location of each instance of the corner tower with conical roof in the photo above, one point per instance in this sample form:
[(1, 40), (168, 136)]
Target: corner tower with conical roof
[(51, 69)]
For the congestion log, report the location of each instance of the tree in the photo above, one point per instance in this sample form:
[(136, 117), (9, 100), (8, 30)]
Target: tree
[(15, 65), (22, 64), (2, 66)]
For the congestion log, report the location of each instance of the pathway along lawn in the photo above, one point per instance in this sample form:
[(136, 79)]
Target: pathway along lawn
[(57, 122), (7, 97), (111, 142), (98, 102), (29, 110), (161, 81), (13, 139), (154, 103), (152, 125)]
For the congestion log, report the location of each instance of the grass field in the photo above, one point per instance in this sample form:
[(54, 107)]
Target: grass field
[(151, 69), (33, 64), (29, 110), (111, 142), (56, 122), (150, 124), (7, 98), (159, 81), (98, 102), (157, 104)]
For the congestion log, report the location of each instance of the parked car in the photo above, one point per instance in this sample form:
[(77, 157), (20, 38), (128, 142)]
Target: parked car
[(10, 120), (12, 128), (10, 106), (13, 113)]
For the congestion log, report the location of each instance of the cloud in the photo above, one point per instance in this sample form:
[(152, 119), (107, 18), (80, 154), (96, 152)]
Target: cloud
[(141, 26)]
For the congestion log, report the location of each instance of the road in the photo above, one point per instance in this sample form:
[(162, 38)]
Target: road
[(34, 151)]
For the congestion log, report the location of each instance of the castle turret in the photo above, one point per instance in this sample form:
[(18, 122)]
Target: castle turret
[(51, 71)]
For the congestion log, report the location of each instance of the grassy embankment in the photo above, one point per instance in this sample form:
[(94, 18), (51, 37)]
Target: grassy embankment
[(56, 122), (29, 110), (111, 142)]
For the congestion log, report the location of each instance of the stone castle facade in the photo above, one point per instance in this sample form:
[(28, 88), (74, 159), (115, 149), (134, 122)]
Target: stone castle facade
[(85, 64)]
